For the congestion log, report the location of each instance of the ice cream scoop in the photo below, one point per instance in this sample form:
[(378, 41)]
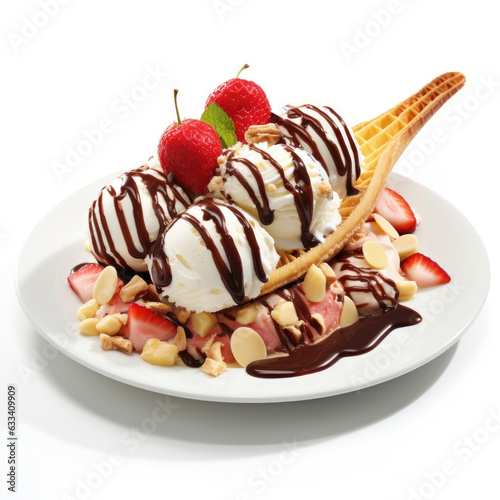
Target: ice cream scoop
[(127, 215), (212, 256), (283, 187), (324, 134)]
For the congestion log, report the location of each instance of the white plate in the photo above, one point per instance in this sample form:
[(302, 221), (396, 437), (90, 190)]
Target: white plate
[(56, 245)]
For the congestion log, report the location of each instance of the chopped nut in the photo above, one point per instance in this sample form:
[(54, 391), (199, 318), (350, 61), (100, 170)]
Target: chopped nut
[(132, 288), (88, 326), (180, 339), (247, 315), (88, 310), (263, 133), (271, 188), (221, 159), (297, 334), (105, 285), (314, 284), (110, 325), (203, 322), (329, 273), (285, 314), (216, 184), (324, 189), (214, 368), (208, 344), (116, 344), (158, 307), (183, 315), (159, 353), (319, 323), (215, 351)]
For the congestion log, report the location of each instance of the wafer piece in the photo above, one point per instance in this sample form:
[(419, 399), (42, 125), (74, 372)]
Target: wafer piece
[(382, 141)]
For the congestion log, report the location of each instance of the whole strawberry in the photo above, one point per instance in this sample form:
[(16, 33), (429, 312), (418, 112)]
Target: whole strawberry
[(244, 102), (189, 149)]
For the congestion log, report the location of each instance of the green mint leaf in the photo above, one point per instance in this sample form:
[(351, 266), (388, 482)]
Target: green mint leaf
[(217, 118)]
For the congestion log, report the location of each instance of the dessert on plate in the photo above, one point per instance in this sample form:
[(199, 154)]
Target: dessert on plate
[(259, 240)]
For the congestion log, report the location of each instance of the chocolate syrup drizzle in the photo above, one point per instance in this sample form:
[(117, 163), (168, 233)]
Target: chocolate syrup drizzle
[(366, 280), (353, 340), (298, 135), (161, 188), (232, 275), (301, 189)]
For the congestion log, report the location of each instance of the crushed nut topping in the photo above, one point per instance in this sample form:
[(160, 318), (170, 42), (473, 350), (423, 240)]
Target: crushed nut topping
[(263, 133), (115, 344)]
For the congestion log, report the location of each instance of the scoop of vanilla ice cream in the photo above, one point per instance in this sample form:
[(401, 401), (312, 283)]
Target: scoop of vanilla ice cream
[(127, 215), (212, 256), (283, 187), (324, 134)]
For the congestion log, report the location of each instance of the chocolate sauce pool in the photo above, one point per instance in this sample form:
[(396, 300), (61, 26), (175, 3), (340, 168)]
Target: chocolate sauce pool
[(358, 338)]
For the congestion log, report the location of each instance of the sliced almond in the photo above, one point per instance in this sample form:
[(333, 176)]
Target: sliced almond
[(247, 315), (247, 346), (203, 322), (105, 285), (374, 255), (407, 289), (406, 245), (314, 284), (386, 226), (285, 314), (349, 313)]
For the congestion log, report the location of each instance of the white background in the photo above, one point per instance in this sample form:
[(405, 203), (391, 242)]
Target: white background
[(64, 74)]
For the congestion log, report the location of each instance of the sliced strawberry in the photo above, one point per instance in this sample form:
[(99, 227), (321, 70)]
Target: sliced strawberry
[(424, 271), (143, 324), (82, 281), (393, 207)]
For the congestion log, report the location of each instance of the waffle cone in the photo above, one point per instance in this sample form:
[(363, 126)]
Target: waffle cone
[(382, 140)]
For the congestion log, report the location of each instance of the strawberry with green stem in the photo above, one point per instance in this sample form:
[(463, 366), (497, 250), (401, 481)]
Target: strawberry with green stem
[(189, 149)]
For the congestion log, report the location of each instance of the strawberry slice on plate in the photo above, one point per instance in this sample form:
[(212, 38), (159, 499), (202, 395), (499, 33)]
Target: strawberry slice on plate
[(393, 207), (424, 271), (143, 324), (83, 280)]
